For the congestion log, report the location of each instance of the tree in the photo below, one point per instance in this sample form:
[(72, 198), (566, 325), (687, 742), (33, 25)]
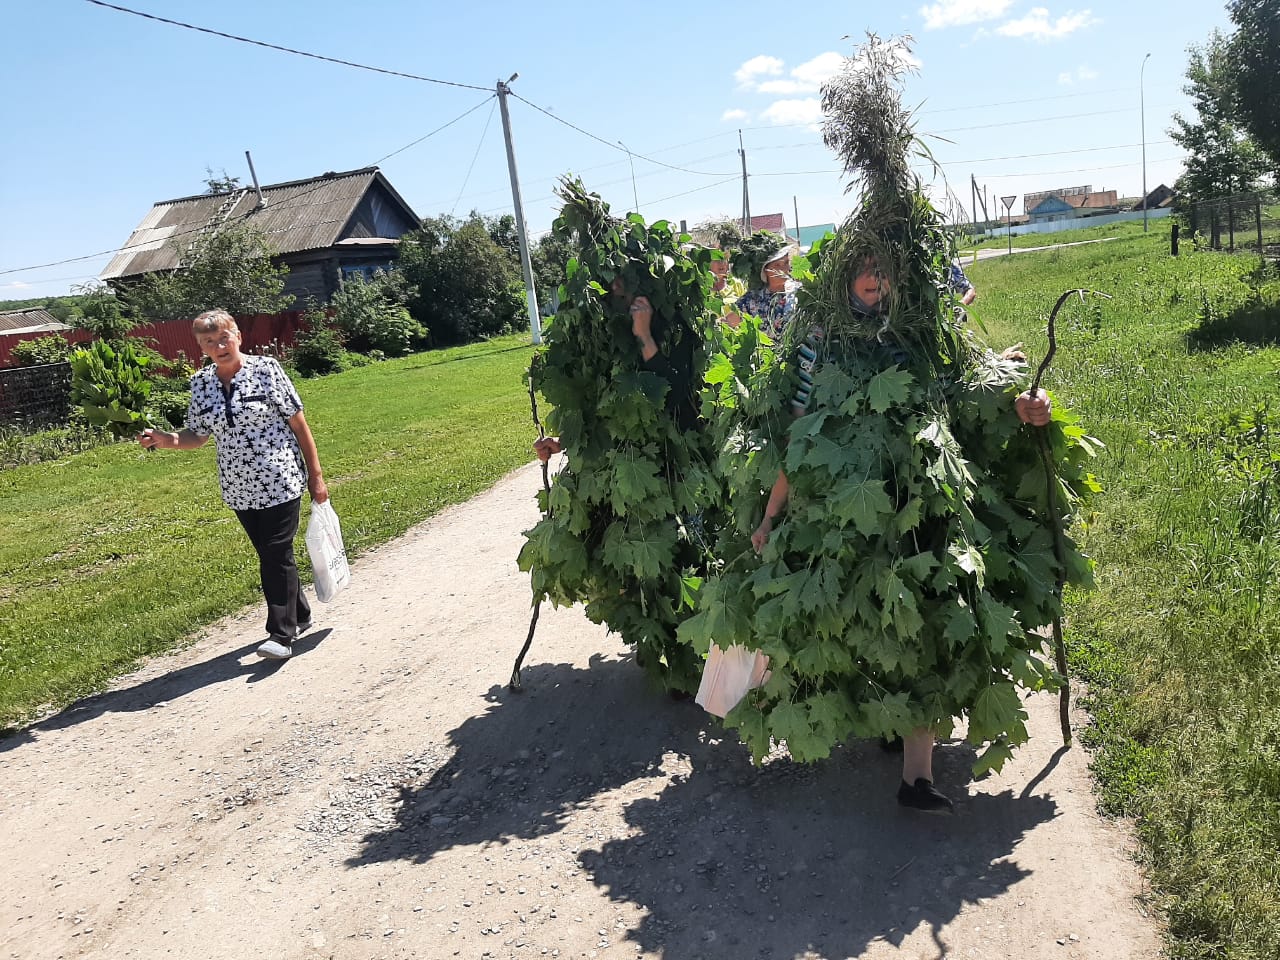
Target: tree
[(1255, 62), (463, 284), (229, 268), (1222, 159), (102, 313), (220, 184), (550, 255)]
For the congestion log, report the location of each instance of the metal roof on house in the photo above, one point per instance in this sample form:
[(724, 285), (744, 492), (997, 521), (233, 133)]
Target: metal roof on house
[(768, 221), (33, 320), (296, 216)]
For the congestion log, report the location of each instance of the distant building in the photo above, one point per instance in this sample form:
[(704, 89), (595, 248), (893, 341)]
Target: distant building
[(1069, 203), (322, 228), (1161, 196), (34, 320)]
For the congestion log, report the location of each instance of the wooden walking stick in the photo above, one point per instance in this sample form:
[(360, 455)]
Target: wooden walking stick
[(514, 683), (1059, 547)]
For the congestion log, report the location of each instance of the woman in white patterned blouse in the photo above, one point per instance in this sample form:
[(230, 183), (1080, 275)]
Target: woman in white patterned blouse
[(266, 458)]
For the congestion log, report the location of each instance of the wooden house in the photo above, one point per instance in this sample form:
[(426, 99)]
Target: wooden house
[(1069, 203), (322, 229)]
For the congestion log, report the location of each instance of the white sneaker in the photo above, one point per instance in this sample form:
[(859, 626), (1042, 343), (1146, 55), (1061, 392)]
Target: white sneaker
[(306, 627), (275, 650)]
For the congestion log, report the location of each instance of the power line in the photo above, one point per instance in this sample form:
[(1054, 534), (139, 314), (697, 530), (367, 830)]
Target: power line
[(475, 156), (492, 96), (614, 146), (272, 46)]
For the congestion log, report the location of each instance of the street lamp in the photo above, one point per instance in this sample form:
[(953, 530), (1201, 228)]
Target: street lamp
[(1142, 118), (634, 196)]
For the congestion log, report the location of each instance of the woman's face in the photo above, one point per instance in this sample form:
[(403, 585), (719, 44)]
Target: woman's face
[(222, 346), (719, 269), (870, 285), (778, 273)]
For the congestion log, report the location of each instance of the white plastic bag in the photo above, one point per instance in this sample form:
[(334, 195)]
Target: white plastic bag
[(728, 675), (328, 556)]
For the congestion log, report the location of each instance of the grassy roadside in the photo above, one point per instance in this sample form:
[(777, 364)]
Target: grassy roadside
[(1181, 641), (1125, 229), (114, 554)]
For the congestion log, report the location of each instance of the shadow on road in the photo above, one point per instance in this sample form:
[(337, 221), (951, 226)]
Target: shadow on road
[(728, 861), (164, 688)]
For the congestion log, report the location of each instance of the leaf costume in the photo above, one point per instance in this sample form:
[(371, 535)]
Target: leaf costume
[(624, 520), (915, 554)]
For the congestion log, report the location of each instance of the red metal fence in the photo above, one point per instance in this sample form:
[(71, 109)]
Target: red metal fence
[(264, 330)]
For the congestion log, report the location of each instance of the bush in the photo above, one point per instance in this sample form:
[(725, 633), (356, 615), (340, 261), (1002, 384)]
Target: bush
[(110, 384), (319, 350), (465, 286), (40, 351), (20, 448), (372, 316)]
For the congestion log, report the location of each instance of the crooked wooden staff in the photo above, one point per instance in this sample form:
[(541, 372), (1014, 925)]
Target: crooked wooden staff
[(1059, 535), (514, 683)]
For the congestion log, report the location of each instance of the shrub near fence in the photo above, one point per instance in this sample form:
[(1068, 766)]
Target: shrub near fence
[(35, 395)]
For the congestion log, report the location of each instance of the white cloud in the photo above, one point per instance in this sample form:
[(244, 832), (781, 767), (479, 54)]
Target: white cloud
[(806, 78), (758, 66), (1037, 25), (819, 70), (1083, 73), (734, 115), (784, 112), (14, 285), (956, 13)]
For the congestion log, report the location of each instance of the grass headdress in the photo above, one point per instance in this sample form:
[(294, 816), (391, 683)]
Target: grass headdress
[(869, 128)]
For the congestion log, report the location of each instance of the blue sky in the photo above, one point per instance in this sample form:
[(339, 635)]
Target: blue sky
[(106, 113)]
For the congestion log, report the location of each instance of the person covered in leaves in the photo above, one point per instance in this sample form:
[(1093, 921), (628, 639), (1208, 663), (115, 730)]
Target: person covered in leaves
[(674, 366), (624, 523), (869, 297), (771, 294), (907, 554)]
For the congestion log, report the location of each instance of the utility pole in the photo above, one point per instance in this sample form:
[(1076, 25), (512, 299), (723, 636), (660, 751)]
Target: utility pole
[(746, 196), (526, 262), (1142, 119), (796, 207), (973, 201)]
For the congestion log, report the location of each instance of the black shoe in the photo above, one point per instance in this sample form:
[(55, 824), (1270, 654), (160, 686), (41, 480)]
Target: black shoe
[(891, 746), (305, 627), (923, 796)]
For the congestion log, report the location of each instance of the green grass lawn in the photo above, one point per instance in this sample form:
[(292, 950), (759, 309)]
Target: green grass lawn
[(1127, 229), (116, 553), (1181, 640)]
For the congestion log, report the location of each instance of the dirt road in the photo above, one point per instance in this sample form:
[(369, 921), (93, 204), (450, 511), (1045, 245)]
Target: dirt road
[(382, 795)]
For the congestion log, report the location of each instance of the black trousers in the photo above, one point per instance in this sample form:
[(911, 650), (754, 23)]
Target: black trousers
[(271, 531)]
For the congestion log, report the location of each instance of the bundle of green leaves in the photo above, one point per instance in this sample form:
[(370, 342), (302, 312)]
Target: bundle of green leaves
[(623, 531), (111, 385), (902, 585)]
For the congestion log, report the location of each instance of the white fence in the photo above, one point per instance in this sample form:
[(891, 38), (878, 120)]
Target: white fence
[(1078, 223)]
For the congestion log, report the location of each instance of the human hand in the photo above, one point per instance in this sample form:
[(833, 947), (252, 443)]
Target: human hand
[(641, 318), (151, 439), (318, 489), (545, 447), (761, 535), (1036, 410), (970, 295), (1013, 353)]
